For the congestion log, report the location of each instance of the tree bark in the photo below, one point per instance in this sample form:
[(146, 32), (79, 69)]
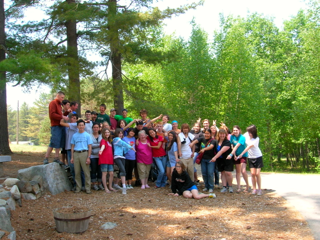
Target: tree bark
[(115, 58), (73, 61), (4, 139)]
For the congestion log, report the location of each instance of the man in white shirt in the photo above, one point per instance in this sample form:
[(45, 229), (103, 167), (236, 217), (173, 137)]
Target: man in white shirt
[(187, 153)]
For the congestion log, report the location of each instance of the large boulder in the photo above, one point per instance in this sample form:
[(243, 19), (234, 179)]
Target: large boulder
[(51, 177), (5, 223), (24, 186)]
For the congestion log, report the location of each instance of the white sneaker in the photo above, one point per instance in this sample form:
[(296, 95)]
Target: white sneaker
[(210, 190), (224, 190), (230, 190), (124, 190), (117, 187), (205, 189), (212, 195)]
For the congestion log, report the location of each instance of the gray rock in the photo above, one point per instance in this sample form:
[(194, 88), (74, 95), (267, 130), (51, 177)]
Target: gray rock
[(1, 186), (108, 225), (3, 203), (28, 196), (39, 180), (5, 223), (11, 203), (36, 189), (12, 235), (9, 182), (15, 192), (54, 177), (5, 194), (24, 186), (2, 234)]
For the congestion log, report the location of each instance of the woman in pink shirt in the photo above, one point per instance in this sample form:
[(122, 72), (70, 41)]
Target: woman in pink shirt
[(144, 158)]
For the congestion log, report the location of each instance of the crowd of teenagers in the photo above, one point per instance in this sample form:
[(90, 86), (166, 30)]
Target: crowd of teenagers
[(103, 151)]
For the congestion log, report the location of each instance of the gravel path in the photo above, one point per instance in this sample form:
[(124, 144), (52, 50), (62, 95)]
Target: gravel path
[(301, 191)]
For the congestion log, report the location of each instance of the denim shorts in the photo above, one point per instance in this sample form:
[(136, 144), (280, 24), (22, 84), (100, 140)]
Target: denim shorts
[(58, 135), (194, 187), (106, 167)]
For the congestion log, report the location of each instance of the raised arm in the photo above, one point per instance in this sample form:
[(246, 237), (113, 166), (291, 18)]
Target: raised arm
[(132, 122)]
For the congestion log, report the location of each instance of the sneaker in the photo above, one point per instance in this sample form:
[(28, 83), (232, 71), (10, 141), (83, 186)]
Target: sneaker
[(95, 187), (216, 186), (212, 195), (205, 189), (224, 190), (57, 160), (45, 161), (259, 192), (88, 192), (254, 191), (130, 186), (210, 190), (100, 186), (117, 187), (124, 191), (143, 187), (83, 189), (230, 190), (147, 186)]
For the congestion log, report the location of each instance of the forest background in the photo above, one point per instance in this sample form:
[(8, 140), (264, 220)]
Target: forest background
[(247, 72)]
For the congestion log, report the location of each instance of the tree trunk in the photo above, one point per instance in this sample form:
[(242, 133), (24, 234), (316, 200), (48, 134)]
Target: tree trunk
[(73, 61), (115, 58), (4, 139)]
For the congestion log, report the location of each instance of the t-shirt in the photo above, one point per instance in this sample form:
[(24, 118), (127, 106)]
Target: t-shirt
[(71, 130), (107, 155), (167, 127), (196, 136), (170, 153), (114, 123), (88, 127), (130, 155), (127, 119), (144, 153), (242, 140), (155, 142), (81, 141), (209, 154), (255, 151), (185, 142), (225, 143), (103, 118)]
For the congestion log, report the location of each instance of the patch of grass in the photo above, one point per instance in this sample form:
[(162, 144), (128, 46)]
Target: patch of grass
[(27, 148)]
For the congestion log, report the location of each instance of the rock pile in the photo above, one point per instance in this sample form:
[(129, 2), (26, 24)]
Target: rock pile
[(30, 185)]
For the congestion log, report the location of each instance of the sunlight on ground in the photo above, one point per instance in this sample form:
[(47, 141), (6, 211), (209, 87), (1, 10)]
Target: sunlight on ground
[(27, 148)]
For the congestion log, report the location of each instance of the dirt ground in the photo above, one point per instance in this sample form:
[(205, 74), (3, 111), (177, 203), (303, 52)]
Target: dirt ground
[(152, 214)]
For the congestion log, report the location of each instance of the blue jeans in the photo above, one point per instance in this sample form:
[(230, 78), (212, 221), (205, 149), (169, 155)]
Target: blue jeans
[(207, 169), (216, 175), (71, 165), (161, 165)]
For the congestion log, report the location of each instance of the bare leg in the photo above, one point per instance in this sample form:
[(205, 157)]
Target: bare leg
[(223, 179), (187, 194), (49, 150), (104, 181), (238, 175), (228, 176), (110, 181), (169, 174), (56, 154), (258, 177), (123, 180), (245, 175), (253, 177), (195, 194)]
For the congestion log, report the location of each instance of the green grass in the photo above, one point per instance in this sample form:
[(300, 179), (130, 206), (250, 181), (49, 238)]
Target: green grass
[(27, 148)]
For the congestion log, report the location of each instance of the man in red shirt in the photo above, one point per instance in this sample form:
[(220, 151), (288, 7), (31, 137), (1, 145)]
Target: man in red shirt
[(57, 139), (113, 121)]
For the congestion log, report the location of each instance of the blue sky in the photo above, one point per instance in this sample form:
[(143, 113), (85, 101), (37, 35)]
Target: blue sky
[(207, 16)]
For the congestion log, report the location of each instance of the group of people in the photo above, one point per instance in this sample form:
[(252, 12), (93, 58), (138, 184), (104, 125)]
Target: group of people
[(95, 146)]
